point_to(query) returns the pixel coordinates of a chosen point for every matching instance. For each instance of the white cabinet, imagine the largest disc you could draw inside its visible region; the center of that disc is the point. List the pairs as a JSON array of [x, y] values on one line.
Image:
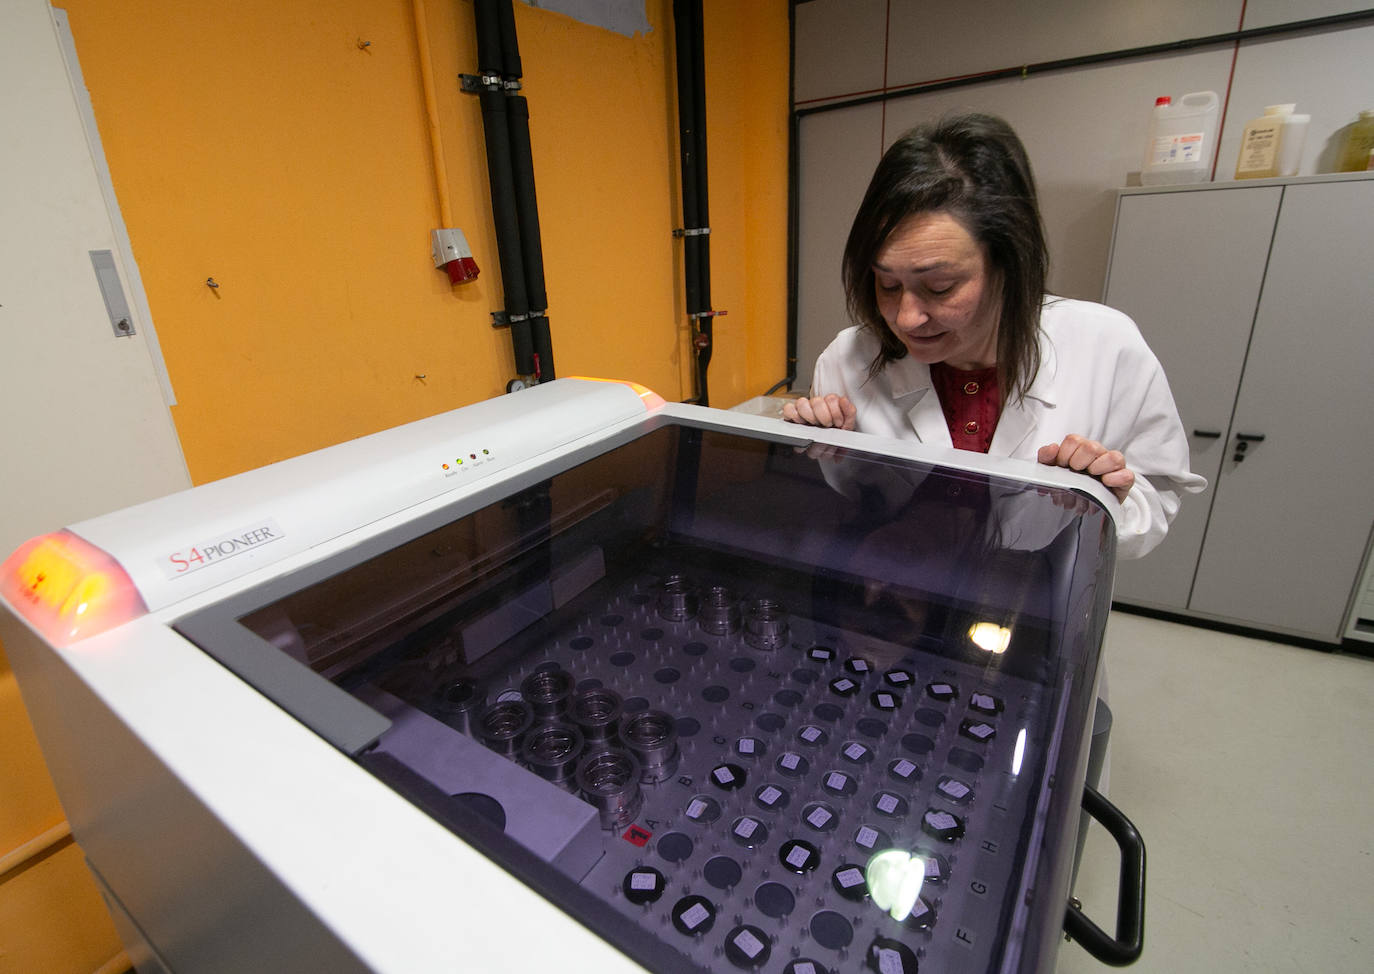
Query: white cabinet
[[1259, 300]]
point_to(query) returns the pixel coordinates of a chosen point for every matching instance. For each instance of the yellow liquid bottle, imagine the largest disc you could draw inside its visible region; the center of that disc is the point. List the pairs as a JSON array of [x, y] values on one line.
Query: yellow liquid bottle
[[1359, 141], [1259, 144]]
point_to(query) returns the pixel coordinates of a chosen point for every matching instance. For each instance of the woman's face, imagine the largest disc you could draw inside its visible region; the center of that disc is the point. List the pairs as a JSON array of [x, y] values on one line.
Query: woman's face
[[937, 293]]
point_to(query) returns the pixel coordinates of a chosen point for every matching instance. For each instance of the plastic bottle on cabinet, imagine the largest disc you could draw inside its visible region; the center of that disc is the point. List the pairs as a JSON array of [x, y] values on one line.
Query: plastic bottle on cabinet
[[1182, 140], [1292, 143], [1359, 143], [1259, 143]]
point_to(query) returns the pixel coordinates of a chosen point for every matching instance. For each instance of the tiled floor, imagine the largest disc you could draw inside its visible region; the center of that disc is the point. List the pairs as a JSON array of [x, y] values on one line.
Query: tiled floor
[[1246, 765]]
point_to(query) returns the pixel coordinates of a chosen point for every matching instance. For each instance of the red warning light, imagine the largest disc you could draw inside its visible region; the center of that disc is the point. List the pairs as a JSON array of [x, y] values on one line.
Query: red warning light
[[68, 589]]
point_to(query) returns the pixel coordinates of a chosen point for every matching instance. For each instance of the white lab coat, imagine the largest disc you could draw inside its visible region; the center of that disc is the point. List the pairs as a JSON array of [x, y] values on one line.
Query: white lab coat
[[1097, 378]]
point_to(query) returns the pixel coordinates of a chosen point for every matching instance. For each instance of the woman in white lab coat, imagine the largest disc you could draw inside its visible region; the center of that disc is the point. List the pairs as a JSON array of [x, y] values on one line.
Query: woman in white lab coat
[[957, 343]]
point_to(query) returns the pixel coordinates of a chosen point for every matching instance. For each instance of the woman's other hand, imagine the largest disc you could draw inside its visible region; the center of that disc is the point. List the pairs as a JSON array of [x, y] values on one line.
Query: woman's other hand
[[832, 411], [1092, 458]]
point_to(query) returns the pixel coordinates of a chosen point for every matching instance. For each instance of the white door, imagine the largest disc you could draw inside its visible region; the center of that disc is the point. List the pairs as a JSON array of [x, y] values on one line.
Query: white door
[[85, 427]]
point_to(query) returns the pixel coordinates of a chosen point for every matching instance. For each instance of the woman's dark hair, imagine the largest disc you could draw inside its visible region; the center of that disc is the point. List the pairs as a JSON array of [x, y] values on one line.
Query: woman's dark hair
[[974, 168]]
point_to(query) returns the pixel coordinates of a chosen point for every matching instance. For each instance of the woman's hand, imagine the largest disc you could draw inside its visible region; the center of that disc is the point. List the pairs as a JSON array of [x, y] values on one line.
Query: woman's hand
[[835, 412], [1092, 458]]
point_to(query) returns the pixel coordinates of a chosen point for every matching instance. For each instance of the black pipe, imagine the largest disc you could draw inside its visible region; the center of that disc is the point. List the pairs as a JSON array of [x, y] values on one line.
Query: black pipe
[[543, 347], [793, 202], [510, 169], [705, 323], [691, 110], [531, 244], [526, 202], [510, 43], [1062, 64], [505, 215], [489, 55], [699, 133], [687, 147]]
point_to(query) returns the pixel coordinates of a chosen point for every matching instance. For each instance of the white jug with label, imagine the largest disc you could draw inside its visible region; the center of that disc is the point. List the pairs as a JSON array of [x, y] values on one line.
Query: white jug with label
[[1182, 140]]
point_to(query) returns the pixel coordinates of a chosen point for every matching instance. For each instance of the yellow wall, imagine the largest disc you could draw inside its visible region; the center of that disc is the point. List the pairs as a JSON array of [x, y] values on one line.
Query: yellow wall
[[747, 54], [259, 144]]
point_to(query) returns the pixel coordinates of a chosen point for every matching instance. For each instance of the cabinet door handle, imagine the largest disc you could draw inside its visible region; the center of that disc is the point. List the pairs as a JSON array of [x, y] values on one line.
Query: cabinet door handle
[[1208, 434], [1243, 441]]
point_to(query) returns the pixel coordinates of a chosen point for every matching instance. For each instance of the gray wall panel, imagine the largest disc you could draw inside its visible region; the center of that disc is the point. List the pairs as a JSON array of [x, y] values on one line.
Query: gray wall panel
[[839, 46], [949, 38], [838, 151], [1266, 13]]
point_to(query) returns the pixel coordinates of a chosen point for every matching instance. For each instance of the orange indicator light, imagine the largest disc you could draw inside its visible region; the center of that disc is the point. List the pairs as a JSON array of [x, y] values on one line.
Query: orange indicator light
[[68, 589], [651, 399]]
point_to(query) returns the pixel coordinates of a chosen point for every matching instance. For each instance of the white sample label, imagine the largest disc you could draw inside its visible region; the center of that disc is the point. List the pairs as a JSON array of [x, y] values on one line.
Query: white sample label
[[867, 837], [887, 804], [696, 809], [723, 775], [790, 761], [903, 768], [798, 857], [818, 817], [694, 917], [954, 788], [643, 881], [855, 751], [746, 745], [746, 827], [769, 795], [810, 733], [849, 878], [889, 961], [836, 781], [748, 943]]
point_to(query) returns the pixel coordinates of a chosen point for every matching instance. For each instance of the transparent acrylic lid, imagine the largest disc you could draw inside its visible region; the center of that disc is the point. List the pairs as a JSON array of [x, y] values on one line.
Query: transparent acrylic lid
[[725, 697]]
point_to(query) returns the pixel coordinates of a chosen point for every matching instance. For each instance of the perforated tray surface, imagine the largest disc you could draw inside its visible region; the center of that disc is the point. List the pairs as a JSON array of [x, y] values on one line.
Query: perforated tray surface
[[802, 752]]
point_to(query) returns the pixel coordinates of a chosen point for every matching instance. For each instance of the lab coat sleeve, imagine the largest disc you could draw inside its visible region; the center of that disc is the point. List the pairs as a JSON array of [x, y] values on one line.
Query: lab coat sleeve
[[833, 365], [828, 378], [1147, 429]]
